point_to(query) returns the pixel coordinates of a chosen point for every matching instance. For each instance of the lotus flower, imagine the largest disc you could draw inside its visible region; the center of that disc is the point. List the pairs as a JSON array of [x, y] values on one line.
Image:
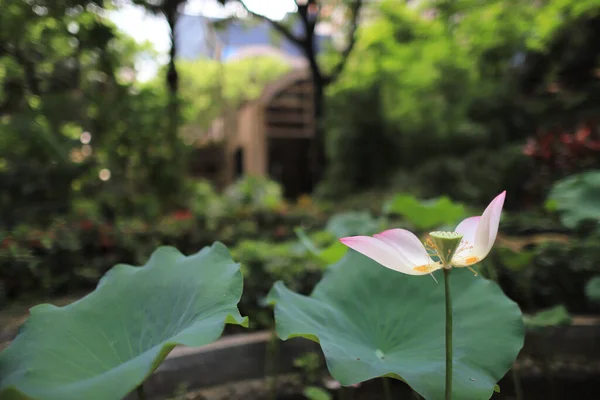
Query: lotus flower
[[402, 251]]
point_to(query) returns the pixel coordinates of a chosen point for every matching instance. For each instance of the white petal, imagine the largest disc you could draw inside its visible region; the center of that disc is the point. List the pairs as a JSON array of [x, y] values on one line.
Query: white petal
[[406, 243], [468, 252], [487, 230], [380, 252], [465, 256], [467, 228], [391, 255], [479, 234]]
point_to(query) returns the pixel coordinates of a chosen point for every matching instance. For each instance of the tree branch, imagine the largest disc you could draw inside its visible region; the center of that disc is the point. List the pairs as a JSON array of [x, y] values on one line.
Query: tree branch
[[276, 25], [339, 67]]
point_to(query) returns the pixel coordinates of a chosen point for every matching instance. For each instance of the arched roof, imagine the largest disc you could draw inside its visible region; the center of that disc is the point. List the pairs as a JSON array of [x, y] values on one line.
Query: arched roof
[[283, 83]]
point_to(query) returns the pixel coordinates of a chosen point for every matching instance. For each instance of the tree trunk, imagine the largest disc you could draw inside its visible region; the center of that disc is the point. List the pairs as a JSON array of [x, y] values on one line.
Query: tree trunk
[[172, 75], [170, 178], [317, 148]]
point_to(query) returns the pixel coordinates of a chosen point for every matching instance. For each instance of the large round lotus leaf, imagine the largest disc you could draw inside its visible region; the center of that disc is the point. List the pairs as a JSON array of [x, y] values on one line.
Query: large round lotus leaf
[[371, 321], [104, 345]]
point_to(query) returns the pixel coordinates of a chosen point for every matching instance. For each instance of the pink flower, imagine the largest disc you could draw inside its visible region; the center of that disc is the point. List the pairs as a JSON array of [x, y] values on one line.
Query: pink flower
[[402, 251]]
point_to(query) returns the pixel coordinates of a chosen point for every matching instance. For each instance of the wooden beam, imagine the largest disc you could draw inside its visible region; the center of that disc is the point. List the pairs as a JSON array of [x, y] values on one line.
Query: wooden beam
[[291, 133], [272, 118], [288, 102]]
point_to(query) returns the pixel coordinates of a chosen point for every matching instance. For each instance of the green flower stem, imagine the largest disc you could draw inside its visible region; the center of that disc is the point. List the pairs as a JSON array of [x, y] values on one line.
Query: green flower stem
[[140, 392], [517, 383], [272, 361], [387, 389], [448, 334]]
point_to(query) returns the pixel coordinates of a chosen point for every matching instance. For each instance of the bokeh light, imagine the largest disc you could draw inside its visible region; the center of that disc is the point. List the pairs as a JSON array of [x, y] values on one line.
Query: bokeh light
[[104, 174], [85, 137]]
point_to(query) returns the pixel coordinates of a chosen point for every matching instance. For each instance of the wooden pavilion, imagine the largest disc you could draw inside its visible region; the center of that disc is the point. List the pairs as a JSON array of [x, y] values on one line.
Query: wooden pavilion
[[269, 136]]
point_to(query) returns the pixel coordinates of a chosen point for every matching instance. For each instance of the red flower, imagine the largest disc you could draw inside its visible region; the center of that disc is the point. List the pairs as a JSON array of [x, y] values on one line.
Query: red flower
[[7, 242], [86, 224], [182, 215]]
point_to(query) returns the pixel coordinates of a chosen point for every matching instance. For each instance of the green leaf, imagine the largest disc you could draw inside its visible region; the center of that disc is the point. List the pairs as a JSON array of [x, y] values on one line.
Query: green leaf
[[330, 255], [516, 260], [306, 242], [497, 388], [315, 393], [352, 223], [426, 214], [592, 289], [371, 322], [333, 253], [576, 198], [104, 345], [554, 316]]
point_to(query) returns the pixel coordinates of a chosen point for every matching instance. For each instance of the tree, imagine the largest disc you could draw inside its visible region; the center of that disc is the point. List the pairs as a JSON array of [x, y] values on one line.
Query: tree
[[310, 13], [69, 109], [235, 82], [170, 10]]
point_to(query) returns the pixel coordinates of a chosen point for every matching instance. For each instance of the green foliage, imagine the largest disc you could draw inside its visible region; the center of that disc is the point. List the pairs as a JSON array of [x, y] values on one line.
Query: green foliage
[[264, 263], [555, 15], [448, 113], [65, 71], [310, 364], [552, 272], [592, 289], [210, 88], [416, 82], [555, 316], [516, 260], [352, 223], [353, 314], [472, 178], [315, 393], [428, 214], [327, 256], [254, 191], [349, 223], [576, 198], [72, 253], [104, 345]]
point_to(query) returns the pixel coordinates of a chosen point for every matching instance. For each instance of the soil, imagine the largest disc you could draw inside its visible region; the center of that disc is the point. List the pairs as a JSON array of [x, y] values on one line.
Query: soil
[[558, 381]]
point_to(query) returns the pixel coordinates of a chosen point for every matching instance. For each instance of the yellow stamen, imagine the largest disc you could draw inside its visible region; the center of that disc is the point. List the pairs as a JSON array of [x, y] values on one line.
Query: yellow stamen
[[423, 268], [464, 246], [472, 270], [471, 260]]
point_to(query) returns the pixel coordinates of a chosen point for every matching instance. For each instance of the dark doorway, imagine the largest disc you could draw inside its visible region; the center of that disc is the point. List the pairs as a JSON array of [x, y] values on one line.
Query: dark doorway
[[239, 162], [288, 165]]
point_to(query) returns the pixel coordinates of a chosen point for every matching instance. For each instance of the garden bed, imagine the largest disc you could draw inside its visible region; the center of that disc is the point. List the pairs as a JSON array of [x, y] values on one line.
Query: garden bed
[[561, 362], [560, 358]]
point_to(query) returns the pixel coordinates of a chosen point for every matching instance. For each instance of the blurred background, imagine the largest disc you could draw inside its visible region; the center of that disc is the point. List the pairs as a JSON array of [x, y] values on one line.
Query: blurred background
[[278, 126]]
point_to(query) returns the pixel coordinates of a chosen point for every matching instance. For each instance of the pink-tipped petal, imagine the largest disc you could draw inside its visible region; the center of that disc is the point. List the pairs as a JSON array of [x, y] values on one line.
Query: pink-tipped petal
[[406, 243], [378, 251], [479, 234], [468, 228], [381, 251], [487, 230]]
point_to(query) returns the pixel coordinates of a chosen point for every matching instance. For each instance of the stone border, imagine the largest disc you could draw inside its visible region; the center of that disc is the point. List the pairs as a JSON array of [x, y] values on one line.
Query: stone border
[[244, 356], [229, 359]]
